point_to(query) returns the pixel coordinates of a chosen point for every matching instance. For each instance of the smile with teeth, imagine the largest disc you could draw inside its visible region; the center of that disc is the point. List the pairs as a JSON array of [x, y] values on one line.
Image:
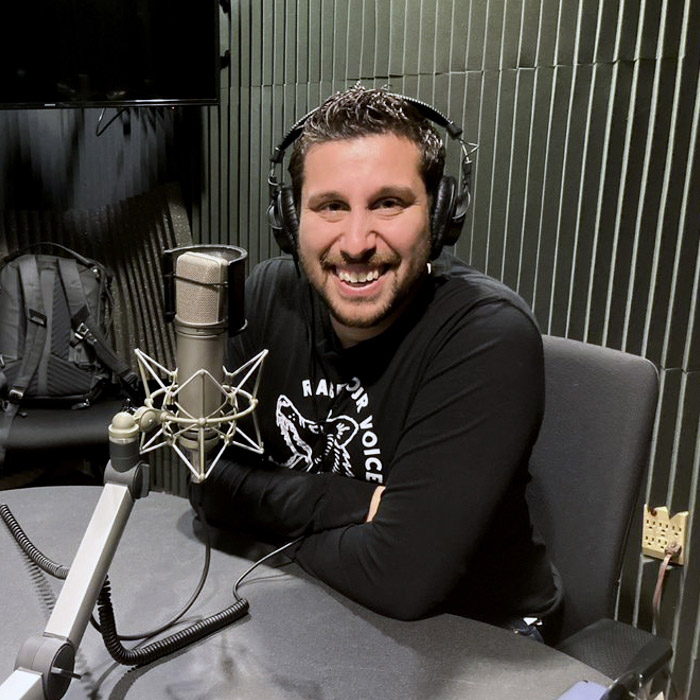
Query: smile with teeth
[[363, 277]]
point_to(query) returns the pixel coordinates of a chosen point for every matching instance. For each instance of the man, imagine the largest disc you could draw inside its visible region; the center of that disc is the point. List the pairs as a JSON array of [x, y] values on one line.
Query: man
[[400, 400]]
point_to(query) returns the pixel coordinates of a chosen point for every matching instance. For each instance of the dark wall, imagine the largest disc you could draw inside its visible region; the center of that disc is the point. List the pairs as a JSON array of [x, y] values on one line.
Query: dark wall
[[54, 159]]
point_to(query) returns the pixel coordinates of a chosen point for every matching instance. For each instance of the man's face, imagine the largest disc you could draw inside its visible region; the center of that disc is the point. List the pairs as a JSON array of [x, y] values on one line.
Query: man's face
[[364, 230]]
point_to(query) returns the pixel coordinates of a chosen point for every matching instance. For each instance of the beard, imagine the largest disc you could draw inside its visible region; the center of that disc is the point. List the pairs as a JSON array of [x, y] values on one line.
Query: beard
[[370, 312]]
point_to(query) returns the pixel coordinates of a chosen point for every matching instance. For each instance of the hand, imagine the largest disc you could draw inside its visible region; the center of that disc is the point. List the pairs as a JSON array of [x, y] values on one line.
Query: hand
[[374, 503]]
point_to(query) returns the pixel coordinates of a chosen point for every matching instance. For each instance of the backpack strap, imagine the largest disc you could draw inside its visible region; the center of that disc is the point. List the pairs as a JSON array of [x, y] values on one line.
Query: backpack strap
[[7, 415], [57, 246], [86, 328], [35, 339]]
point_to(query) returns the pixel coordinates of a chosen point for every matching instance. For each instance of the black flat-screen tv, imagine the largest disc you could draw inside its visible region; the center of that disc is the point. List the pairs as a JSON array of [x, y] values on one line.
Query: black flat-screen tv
[[93, 53]]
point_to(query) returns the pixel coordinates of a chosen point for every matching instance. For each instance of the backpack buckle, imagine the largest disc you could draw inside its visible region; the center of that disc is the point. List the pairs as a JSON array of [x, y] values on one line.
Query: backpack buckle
[[82, 332], [15, 395], [36, 317]]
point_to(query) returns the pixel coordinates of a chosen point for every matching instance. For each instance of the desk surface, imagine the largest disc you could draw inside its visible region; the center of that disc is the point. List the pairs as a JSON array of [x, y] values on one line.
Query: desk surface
[[300, 640]]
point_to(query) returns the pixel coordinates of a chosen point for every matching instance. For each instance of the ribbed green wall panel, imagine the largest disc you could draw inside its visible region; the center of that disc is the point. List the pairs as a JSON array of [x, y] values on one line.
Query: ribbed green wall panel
[[587, 182]]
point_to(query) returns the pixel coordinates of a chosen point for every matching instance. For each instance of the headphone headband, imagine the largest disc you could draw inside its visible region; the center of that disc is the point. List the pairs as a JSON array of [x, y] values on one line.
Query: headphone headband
[[430, 113]]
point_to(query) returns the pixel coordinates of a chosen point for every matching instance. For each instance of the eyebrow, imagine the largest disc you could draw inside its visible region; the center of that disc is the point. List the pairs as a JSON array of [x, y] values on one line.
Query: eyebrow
[[388, 191], [326, 196], [396, 191]]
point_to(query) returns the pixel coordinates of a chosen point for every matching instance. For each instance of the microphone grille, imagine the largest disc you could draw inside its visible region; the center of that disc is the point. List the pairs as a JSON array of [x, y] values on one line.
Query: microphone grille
[[200, 288]]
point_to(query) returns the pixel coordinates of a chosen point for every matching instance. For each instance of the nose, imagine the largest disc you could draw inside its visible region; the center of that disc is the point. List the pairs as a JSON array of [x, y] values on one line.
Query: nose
[[359, 238]]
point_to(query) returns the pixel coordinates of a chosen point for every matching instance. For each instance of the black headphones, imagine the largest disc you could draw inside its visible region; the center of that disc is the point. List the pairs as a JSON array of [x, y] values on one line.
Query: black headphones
[[450, 202]]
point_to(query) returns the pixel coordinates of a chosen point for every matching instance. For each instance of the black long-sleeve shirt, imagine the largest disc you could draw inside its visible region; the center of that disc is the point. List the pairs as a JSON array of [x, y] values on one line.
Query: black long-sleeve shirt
[[442, 408]]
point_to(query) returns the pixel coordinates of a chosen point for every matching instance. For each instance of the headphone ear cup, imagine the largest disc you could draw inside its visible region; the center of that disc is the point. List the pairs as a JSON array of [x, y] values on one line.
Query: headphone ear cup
[[286, 229], [457, 216], [441, 215]]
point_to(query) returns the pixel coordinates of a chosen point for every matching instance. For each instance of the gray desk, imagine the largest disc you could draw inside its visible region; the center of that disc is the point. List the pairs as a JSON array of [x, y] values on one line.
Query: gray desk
[[301, 640]]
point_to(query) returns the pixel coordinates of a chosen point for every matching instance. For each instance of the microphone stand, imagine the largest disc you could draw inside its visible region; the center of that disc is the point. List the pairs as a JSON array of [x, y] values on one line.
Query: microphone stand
[[45, 663]]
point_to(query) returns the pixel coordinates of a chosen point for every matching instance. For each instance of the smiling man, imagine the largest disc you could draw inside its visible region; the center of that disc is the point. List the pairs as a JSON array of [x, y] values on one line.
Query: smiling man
[[365, 243], [401, 397]]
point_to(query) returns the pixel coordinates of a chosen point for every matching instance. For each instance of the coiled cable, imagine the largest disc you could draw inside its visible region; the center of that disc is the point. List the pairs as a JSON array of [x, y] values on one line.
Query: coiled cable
[[107, 627], [163, 647], [43, 562], [61, 572]]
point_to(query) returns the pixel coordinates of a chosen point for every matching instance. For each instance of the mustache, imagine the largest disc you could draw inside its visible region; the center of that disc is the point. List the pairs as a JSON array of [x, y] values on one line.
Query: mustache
[[371, 258]]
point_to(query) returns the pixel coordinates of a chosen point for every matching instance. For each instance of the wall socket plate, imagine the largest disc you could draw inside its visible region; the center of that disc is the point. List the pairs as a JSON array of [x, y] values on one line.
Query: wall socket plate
[[660, 530]]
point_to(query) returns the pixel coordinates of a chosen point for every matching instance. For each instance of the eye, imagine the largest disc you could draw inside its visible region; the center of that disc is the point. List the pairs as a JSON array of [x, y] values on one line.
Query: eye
[[389, 205], [331, 210], [332, 206]]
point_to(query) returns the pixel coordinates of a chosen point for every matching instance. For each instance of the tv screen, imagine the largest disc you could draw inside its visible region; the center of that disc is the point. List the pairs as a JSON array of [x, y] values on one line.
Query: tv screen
[[92, 53]]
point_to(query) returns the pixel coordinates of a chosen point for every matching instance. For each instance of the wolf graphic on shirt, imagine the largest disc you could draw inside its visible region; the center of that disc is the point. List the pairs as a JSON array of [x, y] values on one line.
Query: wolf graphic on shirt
[[315, 446]]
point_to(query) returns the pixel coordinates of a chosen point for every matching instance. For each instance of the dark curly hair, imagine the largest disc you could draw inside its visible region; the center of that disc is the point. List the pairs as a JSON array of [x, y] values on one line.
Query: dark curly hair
[[360, 111]]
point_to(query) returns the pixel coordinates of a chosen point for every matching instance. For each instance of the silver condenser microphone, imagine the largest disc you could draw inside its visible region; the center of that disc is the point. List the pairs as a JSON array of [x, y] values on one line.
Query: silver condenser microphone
[[199, 405], [200, 333]]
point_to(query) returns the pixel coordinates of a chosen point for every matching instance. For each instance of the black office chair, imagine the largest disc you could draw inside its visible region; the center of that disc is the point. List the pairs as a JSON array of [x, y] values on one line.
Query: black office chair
[[45, 441], [587, 467]]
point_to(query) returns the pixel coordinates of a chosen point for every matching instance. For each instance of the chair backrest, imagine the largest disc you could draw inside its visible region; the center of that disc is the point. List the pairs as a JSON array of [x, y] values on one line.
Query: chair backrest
[[587, 467]]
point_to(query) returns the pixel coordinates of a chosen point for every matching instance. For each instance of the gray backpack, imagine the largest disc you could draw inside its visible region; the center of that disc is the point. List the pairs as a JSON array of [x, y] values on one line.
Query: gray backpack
[[55, 318]]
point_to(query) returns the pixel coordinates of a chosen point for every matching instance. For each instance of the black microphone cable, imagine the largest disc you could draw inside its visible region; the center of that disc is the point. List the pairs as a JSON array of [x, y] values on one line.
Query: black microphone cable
[[60, 571], [140, 656], [33, 554], [260, 561], [107, 626], [163, 647]]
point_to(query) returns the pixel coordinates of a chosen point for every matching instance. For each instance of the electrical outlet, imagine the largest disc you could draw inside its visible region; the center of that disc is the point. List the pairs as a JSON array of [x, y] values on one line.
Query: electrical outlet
[[660, 530]]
